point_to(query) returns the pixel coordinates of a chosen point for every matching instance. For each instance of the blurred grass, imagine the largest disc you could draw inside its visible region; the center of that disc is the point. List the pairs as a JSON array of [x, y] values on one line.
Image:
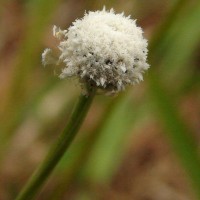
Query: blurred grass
[[116, 126], [177, 131], [180, 42], [39, 14], [30, 106]]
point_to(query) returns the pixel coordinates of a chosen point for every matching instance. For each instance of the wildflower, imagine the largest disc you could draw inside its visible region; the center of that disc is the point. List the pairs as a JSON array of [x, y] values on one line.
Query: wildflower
[[103, 49], [47, 57]]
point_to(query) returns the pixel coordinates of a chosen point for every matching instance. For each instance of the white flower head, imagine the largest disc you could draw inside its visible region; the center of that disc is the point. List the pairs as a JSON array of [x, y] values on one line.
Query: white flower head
[[103, 49], [47, 57]]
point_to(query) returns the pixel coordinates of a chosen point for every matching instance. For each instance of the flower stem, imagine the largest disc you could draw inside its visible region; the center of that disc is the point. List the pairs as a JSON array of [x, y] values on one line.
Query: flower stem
[[42, 173]]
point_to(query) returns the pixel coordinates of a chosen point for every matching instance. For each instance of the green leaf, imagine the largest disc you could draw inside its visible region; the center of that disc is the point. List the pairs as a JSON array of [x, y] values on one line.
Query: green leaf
[[109, 146], [178, 133]]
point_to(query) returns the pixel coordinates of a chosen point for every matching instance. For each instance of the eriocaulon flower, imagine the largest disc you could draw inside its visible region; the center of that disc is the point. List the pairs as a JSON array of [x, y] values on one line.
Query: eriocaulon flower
[[103, 49]]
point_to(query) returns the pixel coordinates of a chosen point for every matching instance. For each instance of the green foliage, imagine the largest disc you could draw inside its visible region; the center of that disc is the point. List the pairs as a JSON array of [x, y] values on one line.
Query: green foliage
[[116, 127]]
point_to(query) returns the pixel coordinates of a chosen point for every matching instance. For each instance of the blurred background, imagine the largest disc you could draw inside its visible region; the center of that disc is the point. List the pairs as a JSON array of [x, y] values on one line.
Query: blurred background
[[142, 144]]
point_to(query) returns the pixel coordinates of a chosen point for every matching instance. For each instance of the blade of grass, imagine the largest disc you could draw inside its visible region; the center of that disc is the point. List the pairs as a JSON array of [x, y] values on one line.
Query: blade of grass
[[18, 117], [39, 15], [177, 131], [192, 83], [113, 135], [182, 40], [180, 137], [161, 31]]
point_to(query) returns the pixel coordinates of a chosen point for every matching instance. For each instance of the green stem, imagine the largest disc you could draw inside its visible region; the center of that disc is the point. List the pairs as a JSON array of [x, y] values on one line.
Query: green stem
[[42, 173]]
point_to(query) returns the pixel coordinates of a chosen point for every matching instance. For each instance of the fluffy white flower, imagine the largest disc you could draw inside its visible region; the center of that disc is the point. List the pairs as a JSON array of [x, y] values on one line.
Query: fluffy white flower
[[47, 57], [103, 49]]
